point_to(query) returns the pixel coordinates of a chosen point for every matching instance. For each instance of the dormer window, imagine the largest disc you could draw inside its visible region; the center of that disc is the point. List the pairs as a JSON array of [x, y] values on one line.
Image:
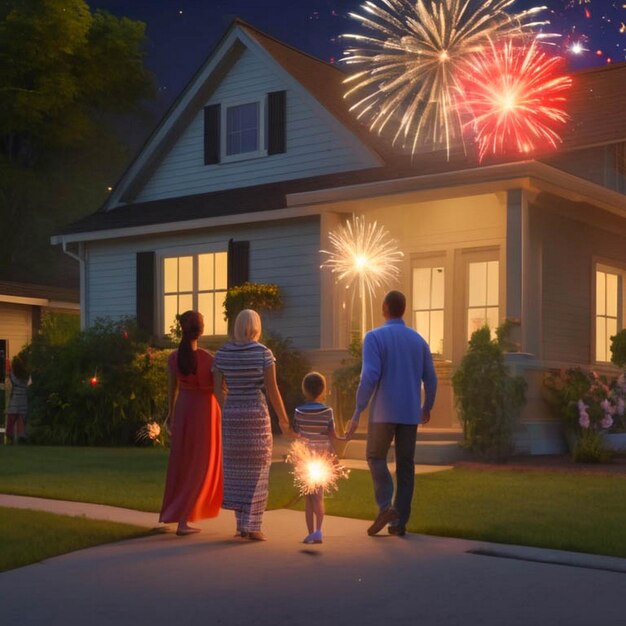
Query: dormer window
[[244, 135], [241, 130]]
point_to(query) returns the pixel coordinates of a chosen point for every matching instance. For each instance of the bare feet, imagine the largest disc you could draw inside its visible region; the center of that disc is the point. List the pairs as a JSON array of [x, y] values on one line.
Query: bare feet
[[256, 535]]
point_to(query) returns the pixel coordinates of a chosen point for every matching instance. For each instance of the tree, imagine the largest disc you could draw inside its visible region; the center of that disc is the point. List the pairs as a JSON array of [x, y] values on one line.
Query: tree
[[63, 72]]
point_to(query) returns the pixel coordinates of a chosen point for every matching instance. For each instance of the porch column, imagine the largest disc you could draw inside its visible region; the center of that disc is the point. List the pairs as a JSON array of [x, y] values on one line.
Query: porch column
[[329, 316], [523, 273]]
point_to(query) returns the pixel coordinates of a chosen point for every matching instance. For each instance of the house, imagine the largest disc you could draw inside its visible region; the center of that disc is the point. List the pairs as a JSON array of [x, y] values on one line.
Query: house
[[259, 159], [26, 295]]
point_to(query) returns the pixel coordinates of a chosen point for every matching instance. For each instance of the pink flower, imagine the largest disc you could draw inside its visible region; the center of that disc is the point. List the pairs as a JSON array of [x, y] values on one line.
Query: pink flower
[[607, 421], [606, 406], [583, 420], [582, 407]]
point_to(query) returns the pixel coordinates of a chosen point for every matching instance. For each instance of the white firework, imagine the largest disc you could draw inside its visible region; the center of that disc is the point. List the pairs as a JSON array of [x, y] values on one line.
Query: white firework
[[364, 255], [409, 62]]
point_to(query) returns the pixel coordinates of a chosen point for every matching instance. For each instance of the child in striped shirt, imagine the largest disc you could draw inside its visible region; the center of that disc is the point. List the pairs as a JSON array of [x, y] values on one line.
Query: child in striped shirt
[[314, 422]]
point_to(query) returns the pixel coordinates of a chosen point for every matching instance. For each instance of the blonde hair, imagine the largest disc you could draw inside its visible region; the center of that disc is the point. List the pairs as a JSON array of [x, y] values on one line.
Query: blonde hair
[[247, 326]]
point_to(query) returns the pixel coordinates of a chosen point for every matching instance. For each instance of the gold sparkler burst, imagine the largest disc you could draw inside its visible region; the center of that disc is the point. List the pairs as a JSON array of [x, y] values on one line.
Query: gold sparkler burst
[[314, 469], [363, 251], [409, 62]]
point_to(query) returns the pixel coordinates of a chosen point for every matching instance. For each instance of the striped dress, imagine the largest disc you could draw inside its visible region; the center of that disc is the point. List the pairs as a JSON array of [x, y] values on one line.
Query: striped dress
[[246, 431], [314, 422]]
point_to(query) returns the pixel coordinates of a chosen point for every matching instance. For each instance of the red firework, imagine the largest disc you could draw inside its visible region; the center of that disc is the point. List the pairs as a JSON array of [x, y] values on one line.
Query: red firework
[[515, 96]]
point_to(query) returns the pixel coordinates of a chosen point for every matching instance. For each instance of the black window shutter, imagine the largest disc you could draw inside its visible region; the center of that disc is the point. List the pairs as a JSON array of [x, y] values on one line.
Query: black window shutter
[[145, 292], [238, 262], [277, 122], [212, 134]]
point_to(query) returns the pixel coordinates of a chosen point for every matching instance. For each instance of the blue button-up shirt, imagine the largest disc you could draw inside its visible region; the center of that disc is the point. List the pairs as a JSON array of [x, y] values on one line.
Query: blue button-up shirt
[[396, 360]]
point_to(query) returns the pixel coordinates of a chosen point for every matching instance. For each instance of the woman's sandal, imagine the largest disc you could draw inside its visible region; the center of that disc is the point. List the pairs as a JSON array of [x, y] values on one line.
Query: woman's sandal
[[183, 532]]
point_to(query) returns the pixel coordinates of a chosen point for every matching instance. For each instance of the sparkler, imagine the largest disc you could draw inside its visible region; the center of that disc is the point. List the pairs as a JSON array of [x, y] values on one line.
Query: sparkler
[[314, 469], [363, 253], [518, 101], [411, 60], [148, 432]]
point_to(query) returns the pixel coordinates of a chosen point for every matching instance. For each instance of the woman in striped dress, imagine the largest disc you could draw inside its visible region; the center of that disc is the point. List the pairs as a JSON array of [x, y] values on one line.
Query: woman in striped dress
[[249, 371]]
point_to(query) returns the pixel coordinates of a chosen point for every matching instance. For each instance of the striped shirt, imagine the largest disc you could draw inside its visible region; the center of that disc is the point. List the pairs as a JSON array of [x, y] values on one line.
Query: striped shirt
[[243, 367], [18, 402], [314, 422]]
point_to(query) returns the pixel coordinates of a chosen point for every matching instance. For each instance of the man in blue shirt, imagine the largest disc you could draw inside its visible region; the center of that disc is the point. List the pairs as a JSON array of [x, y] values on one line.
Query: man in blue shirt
[[396, 361]]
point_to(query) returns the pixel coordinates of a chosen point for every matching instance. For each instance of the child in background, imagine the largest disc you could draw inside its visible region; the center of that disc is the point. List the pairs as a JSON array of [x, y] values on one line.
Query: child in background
[[315, 423], [18, 401]]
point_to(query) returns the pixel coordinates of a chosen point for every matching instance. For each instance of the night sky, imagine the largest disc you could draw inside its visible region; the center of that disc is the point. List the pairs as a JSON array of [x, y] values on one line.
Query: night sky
[[182, 33]]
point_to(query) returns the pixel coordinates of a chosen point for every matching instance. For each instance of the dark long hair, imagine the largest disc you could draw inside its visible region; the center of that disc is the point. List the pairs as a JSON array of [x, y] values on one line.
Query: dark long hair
[[192, 326]]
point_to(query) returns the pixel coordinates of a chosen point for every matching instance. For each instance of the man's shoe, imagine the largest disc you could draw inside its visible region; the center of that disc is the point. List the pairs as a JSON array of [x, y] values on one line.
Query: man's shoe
[[384, 517], [397, 530]]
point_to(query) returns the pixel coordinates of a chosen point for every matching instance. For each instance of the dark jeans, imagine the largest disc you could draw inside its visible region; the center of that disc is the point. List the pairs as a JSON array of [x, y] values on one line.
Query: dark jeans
[[379, 438]]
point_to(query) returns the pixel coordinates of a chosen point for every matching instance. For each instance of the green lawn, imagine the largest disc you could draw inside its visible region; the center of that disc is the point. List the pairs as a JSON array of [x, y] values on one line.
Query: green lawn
[[31, 536], [580, 512]]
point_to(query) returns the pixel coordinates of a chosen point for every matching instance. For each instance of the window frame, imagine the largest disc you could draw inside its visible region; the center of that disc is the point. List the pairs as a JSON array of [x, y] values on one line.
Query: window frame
[[607, 266], [261, 150], [182, 251], [481, 255], [430, 261]]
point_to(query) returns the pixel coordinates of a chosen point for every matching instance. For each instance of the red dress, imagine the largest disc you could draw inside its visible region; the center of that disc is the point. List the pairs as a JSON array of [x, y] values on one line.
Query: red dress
[[194, 486]]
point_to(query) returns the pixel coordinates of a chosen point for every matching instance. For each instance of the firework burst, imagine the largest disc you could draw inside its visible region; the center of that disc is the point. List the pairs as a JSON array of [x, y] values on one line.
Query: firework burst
[[363, 253], [314, 469], [409, 63], [517, 104]]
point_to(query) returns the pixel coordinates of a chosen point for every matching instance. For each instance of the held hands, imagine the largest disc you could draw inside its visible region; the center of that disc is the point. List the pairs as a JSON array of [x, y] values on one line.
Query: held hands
[[352, 426]]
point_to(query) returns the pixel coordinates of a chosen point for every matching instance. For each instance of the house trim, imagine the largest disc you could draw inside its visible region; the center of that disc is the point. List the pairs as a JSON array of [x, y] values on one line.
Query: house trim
[[532, 176]]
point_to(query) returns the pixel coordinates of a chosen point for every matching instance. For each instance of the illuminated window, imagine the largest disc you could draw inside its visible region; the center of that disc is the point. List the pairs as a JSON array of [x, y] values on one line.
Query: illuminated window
[[608, 310], [483, 296], [428, 305], [199, 282]]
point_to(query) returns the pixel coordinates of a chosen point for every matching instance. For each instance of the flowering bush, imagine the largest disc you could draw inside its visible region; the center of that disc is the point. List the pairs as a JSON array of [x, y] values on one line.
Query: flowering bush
[[586, 400], [98, 387], [589, 404]]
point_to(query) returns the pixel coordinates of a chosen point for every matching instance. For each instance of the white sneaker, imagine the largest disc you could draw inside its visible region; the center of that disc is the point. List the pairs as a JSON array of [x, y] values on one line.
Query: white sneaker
[[314, 537]]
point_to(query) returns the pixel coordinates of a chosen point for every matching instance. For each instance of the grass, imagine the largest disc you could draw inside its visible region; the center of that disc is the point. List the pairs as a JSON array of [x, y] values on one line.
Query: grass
[[579, 512], [31, 536], [128, 477]]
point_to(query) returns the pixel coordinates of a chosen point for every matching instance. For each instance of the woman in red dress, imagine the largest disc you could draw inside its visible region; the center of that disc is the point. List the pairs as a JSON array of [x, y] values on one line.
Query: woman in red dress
[[193, 488]]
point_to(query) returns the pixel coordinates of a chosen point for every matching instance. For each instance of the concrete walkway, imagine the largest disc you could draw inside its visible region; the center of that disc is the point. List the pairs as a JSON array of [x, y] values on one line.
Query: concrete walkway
[[350, 579]]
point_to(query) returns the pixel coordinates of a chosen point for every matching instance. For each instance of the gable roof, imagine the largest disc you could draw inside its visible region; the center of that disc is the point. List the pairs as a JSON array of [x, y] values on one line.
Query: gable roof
[[595, 105], [322, 81]]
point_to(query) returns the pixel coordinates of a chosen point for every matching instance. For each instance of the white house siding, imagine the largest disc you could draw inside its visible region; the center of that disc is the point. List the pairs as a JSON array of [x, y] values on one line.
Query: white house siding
[[285, 253], [569, 249], [316, 143], [15, 326]]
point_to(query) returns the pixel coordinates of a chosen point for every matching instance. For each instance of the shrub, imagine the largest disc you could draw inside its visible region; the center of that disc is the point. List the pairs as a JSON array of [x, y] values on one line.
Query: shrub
[[488, 397], [291, 366], [587, 404], [97, 388], [618, 348], [257, 296], [346, 380], [589, 448]]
